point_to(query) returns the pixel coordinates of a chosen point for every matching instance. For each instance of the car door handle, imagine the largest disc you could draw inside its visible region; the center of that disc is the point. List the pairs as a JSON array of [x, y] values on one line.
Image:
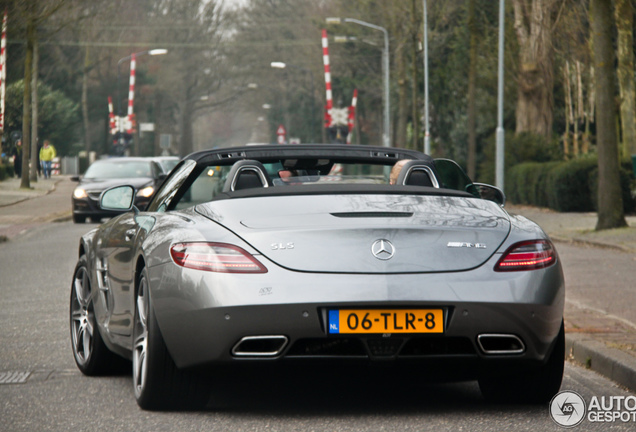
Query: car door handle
[[130, 234]]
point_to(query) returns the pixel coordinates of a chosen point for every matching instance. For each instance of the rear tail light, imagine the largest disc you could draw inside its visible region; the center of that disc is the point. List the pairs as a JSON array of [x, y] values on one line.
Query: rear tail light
[[215, 257], [527, 255]]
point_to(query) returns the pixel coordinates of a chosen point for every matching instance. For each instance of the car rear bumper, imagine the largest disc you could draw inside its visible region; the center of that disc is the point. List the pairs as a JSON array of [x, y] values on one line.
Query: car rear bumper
[[233, 318]]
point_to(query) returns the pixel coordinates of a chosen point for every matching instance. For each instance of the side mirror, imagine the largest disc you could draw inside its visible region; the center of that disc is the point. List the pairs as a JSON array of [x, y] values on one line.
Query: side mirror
[[119, 198], [491, 193]]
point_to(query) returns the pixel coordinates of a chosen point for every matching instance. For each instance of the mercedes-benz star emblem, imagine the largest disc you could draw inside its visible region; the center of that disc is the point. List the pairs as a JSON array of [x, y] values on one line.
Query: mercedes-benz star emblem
[[383, 249]]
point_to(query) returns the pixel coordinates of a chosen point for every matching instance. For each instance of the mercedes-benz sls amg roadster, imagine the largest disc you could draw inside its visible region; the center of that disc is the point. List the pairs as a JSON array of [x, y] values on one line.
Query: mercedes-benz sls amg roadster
[[331, 253]]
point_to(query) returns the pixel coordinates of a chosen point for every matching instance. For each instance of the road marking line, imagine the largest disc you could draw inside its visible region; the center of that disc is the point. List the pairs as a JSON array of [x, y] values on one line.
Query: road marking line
[[14, 377]]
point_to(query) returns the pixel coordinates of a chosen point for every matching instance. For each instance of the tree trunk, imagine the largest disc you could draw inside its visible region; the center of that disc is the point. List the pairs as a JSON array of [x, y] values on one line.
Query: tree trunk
[[610, 200], [186, 133], [156, 146], [569, 117], [624, 22], [415, 80], [85, 119], [472, 76], [533, 25], [34, 109], [186, 145], [26, 109], [403, 103]]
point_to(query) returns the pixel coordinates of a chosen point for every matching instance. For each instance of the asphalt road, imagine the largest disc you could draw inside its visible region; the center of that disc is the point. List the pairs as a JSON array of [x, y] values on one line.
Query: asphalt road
[[35, 274]]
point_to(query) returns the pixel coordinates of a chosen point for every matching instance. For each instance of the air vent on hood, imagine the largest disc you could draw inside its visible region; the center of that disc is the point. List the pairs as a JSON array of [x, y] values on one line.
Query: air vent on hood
[[371, 214]]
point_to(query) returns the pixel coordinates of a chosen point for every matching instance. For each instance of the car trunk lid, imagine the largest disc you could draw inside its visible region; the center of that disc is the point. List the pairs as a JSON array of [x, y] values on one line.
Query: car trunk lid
[[366, 233]]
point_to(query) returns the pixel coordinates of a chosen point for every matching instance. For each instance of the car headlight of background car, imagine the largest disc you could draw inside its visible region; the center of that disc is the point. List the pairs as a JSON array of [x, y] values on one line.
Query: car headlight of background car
[[79, 193], [146, 192]]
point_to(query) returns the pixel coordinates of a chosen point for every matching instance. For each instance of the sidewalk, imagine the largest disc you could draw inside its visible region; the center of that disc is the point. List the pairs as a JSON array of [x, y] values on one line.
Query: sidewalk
[[579, 228], [19, 210], [603, 343]]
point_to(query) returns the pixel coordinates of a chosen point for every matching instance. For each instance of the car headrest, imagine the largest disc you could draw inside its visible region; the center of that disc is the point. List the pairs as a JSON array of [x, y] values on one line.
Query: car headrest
[[246, 174], [416, 173]]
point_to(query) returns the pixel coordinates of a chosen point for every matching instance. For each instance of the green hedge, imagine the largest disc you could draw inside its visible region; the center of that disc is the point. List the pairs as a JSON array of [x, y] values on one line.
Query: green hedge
[[6, 171], [564, 186]]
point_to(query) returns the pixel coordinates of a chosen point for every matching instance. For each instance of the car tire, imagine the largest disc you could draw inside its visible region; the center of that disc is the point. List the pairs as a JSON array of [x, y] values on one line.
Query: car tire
[[91, 354], [79, 218], [538, 385], [96, 219], [158, 383]]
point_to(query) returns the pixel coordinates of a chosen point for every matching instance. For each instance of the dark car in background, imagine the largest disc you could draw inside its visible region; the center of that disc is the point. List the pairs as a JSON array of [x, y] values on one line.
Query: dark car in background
[[144, 174], [166, 162]]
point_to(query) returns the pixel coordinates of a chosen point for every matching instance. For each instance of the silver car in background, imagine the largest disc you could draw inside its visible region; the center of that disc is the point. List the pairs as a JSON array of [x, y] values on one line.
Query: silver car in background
[[264, 254]]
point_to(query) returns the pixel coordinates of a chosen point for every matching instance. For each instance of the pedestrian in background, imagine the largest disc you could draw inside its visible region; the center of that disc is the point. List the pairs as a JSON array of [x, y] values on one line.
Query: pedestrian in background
[[47, 153], [17, 158]]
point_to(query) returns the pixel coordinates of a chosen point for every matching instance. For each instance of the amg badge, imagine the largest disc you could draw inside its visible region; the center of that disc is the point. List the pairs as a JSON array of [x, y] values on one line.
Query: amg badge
[[466, 245]]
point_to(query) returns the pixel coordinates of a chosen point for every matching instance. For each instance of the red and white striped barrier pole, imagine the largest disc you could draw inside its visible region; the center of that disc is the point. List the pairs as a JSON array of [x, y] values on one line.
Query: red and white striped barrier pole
[[325, 60], [3, 68], [112, 124], [131, 94], [352, 114]]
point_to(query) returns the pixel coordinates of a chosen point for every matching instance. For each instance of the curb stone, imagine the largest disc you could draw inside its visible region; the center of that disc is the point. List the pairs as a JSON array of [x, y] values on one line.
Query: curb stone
[[597, 356], [592, 243]]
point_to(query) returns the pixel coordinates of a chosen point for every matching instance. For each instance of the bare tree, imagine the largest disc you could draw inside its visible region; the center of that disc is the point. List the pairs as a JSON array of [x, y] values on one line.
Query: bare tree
[[610, 200], [193, 80]]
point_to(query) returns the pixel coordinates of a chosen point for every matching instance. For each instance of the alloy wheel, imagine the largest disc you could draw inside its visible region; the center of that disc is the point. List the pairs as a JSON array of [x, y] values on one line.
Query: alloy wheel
[[82, 318], [140, 366]]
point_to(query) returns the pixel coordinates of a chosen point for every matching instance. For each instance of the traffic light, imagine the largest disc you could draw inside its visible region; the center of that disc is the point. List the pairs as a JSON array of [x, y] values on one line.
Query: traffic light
[[121, 143]]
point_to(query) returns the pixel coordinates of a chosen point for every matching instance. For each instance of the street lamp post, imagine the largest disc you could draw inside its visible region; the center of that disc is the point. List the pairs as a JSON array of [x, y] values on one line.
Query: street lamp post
[[385, 64], [152, 52], [282, 65], [500, 151]]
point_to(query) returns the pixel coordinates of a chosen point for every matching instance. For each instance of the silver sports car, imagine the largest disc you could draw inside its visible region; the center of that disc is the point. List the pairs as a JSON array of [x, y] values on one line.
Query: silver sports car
[[309, 252]]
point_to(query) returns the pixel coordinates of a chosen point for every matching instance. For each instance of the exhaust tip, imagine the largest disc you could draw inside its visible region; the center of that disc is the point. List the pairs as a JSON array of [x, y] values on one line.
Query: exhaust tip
[[500, 344], [260, 346]]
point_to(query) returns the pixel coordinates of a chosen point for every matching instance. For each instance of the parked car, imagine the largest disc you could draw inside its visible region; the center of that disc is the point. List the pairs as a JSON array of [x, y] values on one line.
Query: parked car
[[144, 174], [304, 254]]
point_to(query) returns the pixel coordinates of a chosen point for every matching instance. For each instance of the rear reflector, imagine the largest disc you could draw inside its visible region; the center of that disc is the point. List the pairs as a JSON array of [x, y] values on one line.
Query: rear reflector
[[215, 257], [527, 255]]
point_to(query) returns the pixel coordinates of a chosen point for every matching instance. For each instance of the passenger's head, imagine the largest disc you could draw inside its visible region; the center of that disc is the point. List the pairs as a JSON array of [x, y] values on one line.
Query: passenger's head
[[395, 171]]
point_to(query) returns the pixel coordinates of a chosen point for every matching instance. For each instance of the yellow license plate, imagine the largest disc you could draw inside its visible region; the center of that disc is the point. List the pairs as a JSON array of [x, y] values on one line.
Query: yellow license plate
[[386, 321]]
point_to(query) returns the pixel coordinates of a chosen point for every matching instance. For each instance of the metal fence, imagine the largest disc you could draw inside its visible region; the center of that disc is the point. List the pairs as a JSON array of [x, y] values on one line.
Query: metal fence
[[67, 165]]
